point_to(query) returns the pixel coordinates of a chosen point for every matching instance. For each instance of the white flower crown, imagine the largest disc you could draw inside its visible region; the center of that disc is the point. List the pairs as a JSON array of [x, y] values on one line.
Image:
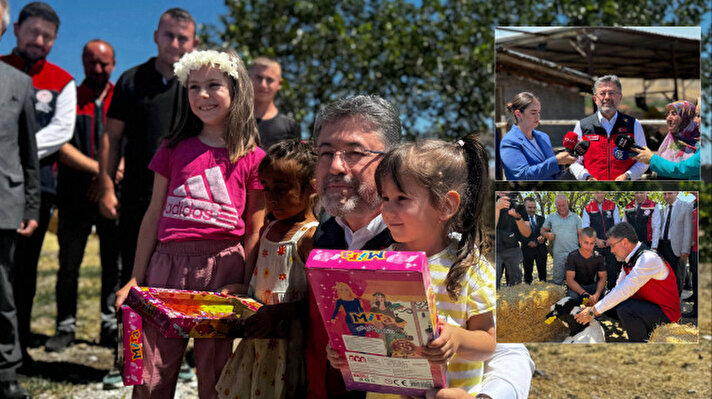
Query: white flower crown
[[197, 59]]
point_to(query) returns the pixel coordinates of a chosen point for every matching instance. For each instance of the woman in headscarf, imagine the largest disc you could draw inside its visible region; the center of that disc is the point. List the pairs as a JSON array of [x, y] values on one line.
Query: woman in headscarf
[[683, 136], [679, 155]]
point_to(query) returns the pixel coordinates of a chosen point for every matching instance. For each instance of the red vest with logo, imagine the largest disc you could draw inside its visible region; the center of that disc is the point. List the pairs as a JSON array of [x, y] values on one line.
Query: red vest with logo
[[660, 292], [48, 81], [642, 218], [599, 160], [601, 221]]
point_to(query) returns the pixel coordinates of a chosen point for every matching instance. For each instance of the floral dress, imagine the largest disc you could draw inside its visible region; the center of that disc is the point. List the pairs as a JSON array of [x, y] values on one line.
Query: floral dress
[[258, 367]]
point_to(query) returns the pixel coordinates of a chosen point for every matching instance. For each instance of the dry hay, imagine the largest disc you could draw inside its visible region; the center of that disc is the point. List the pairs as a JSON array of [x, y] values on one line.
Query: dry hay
[[522, 309], [674, 333]]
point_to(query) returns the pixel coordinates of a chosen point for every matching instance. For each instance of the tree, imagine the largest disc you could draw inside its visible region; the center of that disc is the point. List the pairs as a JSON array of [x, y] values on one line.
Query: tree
[[432, 58]]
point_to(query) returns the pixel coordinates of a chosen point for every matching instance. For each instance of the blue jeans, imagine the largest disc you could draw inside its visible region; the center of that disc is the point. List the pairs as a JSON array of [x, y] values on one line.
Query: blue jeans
[[590, 288]]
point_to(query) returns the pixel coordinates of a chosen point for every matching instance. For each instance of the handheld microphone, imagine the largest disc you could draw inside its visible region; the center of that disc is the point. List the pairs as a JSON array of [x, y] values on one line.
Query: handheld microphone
[[620, 154], [625, 142], [581, 148], [570, 141]]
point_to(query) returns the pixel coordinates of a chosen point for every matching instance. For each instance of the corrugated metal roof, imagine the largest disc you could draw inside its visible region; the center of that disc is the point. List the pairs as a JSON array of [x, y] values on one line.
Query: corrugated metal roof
[[626, 52]]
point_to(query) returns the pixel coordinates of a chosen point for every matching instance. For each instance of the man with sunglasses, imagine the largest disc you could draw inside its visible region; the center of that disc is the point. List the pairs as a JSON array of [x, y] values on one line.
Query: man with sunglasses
[[601, 130], [646, 292]]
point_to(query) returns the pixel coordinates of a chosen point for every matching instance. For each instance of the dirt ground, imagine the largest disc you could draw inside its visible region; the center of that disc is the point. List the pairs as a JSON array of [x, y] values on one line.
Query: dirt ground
[[613, 370], [624, 370]]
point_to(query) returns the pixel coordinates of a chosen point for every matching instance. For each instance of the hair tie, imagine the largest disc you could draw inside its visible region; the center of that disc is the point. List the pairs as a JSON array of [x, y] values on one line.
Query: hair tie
[[461, 143]]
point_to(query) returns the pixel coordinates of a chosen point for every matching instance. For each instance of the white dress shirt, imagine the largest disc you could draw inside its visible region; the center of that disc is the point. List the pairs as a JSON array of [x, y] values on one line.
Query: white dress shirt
[[61, 128], [357, 239], [655, 224], [508, 373], [635, 171], [668, 209], [648, 266]]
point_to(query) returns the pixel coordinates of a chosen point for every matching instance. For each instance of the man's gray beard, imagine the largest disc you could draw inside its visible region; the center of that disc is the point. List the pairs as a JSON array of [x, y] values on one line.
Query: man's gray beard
[[364, 201], [608, 109]]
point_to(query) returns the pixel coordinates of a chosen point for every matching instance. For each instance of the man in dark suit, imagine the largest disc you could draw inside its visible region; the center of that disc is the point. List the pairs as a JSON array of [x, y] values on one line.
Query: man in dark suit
[[351, 136], [534, 246], [676, 236], [19, 202], [55, 103]]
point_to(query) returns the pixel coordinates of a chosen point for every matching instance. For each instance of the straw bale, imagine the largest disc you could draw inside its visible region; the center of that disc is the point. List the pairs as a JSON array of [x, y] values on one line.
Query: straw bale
[[522, 309], [674, 333]]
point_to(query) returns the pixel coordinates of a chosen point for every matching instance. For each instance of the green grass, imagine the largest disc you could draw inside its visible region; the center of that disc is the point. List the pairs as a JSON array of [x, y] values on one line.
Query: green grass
[[44, 313]]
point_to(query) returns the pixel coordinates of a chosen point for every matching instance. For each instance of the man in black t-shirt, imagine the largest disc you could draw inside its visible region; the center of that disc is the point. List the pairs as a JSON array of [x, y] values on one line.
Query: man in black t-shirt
[[511, 225], [266, 76], [143, 106], [145, 99], [586, 269]]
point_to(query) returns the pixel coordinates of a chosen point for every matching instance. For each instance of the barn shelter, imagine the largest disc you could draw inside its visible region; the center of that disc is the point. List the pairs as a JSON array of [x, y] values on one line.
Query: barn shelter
[[560, 66], [598, 51]]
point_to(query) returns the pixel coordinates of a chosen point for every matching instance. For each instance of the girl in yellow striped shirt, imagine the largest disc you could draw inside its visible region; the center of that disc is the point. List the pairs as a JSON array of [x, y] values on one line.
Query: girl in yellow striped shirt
[[431, 192]]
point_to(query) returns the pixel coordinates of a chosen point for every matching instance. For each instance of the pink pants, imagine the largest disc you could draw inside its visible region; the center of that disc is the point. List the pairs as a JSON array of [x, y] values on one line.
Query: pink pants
[[193, 265]]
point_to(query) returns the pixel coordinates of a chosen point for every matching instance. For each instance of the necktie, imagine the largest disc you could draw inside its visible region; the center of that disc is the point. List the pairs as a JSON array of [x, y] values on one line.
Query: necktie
[[533, 224], [667, 223]]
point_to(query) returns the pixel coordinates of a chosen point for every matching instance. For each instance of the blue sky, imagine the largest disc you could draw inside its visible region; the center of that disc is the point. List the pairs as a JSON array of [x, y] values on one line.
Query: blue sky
[[127, 24]]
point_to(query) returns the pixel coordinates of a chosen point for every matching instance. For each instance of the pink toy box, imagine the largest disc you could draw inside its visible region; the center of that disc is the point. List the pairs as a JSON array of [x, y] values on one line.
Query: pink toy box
[[379, 311], [131, 354], [197, 314], [177, 314]]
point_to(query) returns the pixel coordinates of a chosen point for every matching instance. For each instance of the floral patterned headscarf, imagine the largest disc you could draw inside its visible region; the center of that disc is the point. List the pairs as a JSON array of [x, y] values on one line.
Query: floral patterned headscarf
[[683, 143]]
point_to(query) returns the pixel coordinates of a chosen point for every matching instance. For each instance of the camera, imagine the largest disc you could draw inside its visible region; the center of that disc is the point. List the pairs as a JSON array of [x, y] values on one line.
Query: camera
[[513, 198]]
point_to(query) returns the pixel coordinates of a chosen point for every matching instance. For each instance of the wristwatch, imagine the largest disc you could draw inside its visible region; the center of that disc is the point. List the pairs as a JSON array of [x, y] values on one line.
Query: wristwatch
[[590, 313]]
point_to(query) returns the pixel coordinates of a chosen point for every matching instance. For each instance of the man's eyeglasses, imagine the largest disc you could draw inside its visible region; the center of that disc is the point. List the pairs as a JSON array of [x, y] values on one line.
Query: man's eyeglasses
[[611, 245], [350, 157], [608, 93]]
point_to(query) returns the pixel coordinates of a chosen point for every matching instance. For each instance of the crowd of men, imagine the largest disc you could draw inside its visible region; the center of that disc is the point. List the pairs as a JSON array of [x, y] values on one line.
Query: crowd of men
[[78, 149], [583, 247], [93, 144]]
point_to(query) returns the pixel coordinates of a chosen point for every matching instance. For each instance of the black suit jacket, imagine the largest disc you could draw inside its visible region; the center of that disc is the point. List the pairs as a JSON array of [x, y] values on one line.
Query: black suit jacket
[[19, 166], [525, 240], [329, 235]]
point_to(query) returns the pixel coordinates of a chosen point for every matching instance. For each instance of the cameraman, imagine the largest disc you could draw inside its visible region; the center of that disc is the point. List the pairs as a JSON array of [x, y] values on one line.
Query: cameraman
[[511, 225]]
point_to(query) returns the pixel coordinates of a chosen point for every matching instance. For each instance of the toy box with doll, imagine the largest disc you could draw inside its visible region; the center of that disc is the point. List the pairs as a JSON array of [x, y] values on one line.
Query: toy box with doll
[[379, 311]]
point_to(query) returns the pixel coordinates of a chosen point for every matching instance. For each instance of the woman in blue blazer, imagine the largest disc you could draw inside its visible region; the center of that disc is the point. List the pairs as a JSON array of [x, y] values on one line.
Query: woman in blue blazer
[[527, 154]]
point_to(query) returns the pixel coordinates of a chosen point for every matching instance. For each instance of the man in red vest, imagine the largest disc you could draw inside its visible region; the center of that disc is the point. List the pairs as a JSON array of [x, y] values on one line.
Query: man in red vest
[[602, 214], [644, 214], [646, 292], [55, 102], [77, 193], [601, 130]]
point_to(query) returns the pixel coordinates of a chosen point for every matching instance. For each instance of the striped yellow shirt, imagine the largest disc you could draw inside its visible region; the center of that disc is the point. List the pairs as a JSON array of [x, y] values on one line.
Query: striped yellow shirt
[[477, 297]]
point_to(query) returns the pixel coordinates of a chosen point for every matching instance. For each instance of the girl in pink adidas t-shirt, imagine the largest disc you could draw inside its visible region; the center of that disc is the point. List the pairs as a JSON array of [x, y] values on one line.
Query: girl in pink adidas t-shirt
[[202, 226]]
